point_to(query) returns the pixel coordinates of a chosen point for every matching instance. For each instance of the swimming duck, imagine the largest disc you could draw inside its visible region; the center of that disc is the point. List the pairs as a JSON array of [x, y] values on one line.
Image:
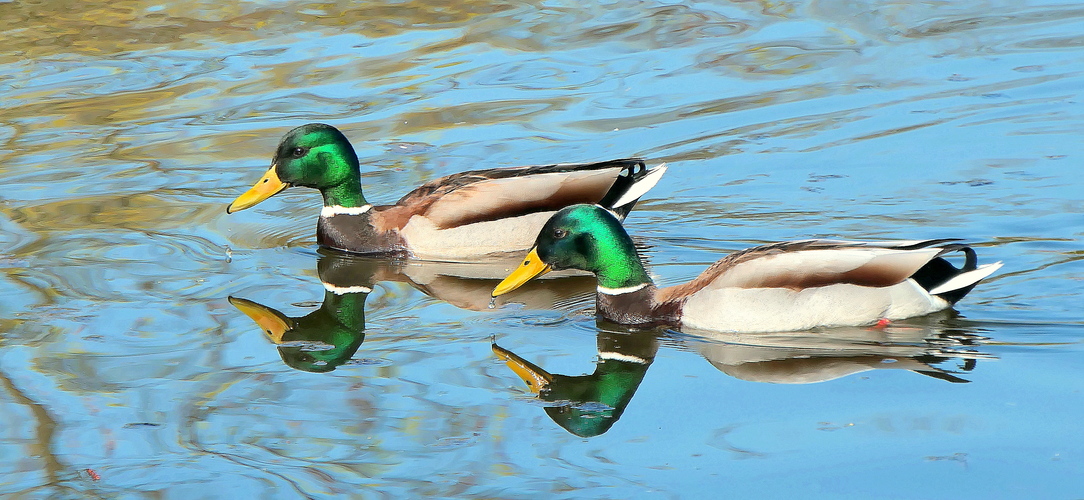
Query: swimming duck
[[457, 217], [788, 286]]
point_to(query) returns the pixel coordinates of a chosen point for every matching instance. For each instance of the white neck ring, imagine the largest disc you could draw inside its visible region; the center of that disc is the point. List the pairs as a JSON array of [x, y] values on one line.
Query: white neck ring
[[341, 210], [616, 356], [343, 290], [619, 291]]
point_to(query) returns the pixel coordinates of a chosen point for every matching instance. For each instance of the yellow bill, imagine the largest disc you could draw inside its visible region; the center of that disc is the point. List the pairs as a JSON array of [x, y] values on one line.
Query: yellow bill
[[532, 267], [272, 322], [265, 188], [535, 377]]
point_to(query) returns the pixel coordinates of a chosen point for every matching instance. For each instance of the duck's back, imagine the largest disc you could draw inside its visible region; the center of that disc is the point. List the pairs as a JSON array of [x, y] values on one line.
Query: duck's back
[[486, 212], [806, 284]]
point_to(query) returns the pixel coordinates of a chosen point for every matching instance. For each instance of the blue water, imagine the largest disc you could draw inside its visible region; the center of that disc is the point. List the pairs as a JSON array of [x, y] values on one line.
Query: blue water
[[125, 371]]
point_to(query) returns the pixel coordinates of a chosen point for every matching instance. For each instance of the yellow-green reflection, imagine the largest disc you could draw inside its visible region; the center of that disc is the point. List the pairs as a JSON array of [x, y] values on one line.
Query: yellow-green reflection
[[328, 337], [589, 405]]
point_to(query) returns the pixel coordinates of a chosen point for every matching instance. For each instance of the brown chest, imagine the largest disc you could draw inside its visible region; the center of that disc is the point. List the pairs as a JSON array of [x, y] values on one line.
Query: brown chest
[[355, 233], [639, 307]]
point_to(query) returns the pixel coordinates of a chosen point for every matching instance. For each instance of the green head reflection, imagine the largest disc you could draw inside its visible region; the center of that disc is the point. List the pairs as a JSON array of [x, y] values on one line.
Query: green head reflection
[[329, 336], [318, 342], [588, 405]]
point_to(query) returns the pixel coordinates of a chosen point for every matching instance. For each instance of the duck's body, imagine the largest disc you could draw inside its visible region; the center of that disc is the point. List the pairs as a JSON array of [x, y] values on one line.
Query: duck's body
[[785, 286], [799, 285], [457, 217]]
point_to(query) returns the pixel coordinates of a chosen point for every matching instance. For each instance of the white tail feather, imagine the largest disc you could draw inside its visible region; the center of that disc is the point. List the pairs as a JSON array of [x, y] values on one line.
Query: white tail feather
[[966, 279], [641, 186]]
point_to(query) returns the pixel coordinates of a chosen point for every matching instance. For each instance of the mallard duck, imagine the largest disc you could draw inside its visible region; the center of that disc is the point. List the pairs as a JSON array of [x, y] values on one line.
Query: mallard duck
[[789, 286], [458, 217]]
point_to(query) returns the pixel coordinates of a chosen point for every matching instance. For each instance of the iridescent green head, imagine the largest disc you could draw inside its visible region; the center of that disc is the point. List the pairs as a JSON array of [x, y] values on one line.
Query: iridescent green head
[[314, 155], [585, 237], [317, 156]]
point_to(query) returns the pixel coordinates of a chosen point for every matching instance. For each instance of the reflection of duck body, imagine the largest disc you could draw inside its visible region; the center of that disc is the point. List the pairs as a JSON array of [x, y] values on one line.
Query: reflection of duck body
[[329, 336], [457, 217], [785, 286], [810, 357], [469, 285], [588, 405]]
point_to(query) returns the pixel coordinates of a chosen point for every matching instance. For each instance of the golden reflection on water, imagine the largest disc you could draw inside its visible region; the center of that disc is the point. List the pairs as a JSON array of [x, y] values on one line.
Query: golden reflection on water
[[138, 212]]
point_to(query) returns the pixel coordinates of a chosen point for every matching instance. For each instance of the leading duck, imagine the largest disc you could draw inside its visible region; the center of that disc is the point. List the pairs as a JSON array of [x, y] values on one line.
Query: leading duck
[[458, 217], [787, 286]]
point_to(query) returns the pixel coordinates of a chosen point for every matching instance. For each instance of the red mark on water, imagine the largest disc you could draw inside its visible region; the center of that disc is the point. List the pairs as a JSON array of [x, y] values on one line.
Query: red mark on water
[[93, 475], [881, 323]]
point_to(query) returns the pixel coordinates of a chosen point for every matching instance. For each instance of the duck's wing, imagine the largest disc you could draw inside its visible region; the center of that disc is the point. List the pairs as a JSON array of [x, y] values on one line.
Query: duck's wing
[[797, 265], [486, 195]]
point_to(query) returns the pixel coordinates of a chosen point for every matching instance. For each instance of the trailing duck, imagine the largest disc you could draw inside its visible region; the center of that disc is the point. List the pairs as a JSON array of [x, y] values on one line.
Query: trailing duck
[[788, 286]]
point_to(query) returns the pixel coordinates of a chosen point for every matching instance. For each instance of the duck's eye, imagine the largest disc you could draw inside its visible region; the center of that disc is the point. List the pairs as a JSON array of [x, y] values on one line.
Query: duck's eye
[[559, 233], [299, 152]]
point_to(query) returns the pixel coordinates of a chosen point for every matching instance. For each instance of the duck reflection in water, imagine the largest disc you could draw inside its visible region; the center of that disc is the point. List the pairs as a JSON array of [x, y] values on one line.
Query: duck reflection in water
[[588, 405], [330, 336], [921, 345]]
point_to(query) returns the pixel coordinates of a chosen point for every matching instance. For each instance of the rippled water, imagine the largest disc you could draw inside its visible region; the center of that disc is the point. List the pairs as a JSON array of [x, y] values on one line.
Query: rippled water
[[127, 371]]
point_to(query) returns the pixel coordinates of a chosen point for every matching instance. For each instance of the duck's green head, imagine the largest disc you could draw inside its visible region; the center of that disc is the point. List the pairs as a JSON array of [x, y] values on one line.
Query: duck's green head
[[314, 155], [584, 237]]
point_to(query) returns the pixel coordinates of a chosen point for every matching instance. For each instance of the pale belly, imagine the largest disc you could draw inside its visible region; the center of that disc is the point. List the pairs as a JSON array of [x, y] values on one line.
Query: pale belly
[[782, 310], [513, 234]]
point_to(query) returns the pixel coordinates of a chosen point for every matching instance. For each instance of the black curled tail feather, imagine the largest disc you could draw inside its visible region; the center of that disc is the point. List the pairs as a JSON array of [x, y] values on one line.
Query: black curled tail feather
[[633, 183], [634, 170], [939, 271]]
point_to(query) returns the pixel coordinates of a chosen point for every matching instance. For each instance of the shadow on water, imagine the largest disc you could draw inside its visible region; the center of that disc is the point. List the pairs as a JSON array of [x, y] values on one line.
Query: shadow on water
[[328, 337], [588, 405]]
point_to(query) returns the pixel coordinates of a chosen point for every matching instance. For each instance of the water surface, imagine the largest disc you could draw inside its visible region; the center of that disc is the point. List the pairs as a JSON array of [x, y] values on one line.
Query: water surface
[[126, 371]]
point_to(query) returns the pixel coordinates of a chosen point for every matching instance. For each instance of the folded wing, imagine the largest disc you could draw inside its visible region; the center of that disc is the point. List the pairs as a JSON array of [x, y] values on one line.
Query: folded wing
[[485, 195], [798, 265]]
